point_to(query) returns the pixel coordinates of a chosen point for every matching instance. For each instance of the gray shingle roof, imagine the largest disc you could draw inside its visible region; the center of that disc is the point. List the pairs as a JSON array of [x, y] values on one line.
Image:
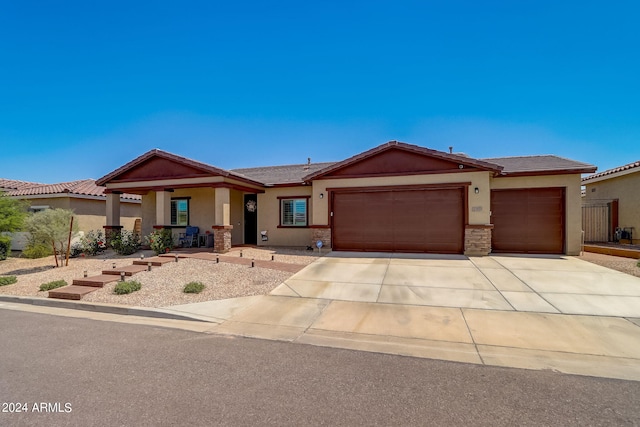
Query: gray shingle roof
[[288, 174], [545, 163]]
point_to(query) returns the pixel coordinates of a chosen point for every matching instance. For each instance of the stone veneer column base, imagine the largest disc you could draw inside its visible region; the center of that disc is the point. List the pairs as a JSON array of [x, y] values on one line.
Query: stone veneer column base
[[477, 240], [322, 233], [222, 238]]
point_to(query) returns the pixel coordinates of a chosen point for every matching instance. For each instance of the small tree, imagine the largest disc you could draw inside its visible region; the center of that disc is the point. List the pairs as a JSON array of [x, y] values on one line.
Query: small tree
[[12, 214], [51, 226]]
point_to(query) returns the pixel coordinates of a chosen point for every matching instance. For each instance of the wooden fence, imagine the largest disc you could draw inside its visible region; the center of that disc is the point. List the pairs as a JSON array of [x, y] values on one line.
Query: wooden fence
[[596, 223]]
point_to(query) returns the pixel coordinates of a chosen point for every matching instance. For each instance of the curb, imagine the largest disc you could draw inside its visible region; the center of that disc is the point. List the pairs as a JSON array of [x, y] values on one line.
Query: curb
[[103, 308]]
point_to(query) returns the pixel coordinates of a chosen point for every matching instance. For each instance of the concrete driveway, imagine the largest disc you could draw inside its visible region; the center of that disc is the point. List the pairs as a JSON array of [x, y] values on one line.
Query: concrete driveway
[[536, 312]]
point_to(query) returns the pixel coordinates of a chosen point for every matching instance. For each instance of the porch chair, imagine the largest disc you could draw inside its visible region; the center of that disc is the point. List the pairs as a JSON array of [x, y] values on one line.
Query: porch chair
[[189, 238]]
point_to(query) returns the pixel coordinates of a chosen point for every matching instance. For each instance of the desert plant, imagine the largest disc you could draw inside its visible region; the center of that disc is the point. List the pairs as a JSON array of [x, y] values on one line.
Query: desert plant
[[193, 288], [37, 250], [51, 226], [52, 285], [93, 242], [160, 240], [12, 213], [127, 287], [125, 243], [8, 280], [5, 247]]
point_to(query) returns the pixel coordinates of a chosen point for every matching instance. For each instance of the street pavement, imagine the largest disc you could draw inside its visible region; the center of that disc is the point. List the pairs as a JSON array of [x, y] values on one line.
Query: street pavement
[[120, 374]]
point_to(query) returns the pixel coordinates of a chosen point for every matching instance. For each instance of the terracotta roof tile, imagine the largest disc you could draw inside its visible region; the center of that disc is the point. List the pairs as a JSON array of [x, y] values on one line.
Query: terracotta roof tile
[[86, 187], [12, 184], [614, 171]]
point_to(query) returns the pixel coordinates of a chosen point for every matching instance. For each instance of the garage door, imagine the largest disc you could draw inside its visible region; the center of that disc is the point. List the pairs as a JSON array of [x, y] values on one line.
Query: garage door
[[424, 220], [528, 220]]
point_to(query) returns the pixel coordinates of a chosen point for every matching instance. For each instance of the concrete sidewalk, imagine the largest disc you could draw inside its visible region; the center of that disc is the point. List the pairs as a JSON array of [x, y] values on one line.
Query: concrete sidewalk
[[546, 312]]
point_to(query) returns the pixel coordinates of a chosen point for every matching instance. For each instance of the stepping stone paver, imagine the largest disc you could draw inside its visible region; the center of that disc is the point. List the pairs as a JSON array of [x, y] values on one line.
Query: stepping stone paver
[[71, 292]]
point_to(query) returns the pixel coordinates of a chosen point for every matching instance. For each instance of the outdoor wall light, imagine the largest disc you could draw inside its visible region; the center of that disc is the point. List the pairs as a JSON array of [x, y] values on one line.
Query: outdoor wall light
[[476, 190], [322, 195]]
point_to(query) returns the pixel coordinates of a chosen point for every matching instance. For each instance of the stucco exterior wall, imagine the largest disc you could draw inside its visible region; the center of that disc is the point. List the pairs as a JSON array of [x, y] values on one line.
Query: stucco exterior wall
[[269, 217], [573, 201], [625, 189], [478, 203]]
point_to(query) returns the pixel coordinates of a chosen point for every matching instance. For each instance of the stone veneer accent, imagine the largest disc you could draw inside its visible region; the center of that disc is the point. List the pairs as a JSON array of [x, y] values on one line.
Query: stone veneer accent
[[477, 240], [323, 234], [222, 238]]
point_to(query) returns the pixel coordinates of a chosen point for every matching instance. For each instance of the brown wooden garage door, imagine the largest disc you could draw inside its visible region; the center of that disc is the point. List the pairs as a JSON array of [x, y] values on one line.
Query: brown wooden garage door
[[424, 220], [528, 220]]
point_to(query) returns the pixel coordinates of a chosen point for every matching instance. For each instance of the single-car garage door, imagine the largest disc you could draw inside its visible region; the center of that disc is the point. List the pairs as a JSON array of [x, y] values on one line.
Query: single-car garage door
[[528, 220], [399, 220]]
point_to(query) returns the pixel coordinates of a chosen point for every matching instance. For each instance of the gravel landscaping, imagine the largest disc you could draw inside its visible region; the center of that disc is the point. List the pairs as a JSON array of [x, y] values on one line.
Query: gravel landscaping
[[625, 265], [163, 286]]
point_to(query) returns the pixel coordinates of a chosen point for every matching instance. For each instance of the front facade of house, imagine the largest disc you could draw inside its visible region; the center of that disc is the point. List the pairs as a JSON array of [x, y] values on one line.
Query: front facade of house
[[395, 197], [613, 201]]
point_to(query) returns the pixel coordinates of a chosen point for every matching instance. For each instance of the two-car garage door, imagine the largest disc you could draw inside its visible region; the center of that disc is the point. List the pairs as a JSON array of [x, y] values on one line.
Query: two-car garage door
[[399, 220]]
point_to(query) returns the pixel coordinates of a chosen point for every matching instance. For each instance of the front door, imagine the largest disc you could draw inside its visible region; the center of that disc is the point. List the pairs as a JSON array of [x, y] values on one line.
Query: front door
[[250, 219]]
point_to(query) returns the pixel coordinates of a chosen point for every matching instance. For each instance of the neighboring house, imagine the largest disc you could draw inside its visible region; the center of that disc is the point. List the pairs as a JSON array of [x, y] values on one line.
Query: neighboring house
[[612, 204], [395, 197], [84, 197]]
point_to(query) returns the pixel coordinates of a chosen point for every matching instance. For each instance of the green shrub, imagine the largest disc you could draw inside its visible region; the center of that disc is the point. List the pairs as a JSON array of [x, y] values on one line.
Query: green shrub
[[8, 280], [53, 285], [127, 287], [160, 240], [5, 247], [93, 242], [125, 242], [37, 250], [193, 288]]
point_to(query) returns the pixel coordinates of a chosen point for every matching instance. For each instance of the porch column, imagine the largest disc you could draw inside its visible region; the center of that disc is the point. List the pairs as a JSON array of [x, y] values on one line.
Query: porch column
[[222, 228], [113, 209], [113, 226], [163, 208]]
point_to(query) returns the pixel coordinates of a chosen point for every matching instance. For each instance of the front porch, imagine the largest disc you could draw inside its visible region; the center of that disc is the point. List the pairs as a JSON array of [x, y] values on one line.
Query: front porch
[[178, 193]]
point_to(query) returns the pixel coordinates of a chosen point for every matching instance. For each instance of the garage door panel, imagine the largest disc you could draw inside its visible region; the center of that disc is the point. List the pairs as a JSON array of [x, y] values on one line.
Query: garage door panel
[[400, 220], [528, 220]]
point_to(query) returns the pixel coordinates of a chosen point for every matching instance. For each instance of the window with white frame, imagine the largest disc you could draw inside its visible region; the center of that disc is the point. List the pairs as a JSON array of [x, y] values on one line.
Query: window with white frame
[[180, 212], [293, 212]]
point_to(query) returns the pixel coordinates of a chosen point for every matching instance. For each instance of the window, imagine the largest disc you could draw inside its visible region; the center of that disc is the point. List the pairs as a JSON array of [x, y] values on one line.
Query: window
[[293, 212], [180, 212]]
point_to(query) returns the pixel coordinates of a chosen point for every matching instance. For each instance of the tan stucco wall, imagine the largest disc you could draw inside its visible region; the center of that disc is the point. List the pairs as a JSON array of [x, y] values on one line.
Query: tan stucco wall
[[625, 189], [573, 208], [89, 214], [201, 211], [478, 203], [269, 217]]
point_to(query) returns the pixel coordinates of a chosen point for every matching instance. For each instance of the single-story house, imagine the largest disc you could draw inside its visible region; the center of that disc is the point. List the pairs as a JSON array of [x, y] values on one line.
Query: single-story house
[[612, 203], [84, 197], [395, 197]]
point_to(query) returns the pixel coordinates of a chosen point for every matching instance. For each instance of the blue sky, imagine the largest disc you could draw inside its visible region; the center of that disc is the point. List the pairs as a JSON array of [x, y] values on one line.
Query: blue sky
[[86, 87]]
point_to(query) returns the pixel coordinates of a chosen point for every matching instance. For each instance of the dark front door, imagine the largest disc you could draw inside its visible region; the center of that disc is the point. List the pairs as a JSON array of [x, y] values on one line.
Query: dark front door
[[250, 219]]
